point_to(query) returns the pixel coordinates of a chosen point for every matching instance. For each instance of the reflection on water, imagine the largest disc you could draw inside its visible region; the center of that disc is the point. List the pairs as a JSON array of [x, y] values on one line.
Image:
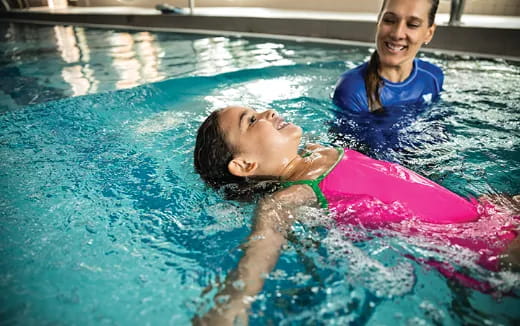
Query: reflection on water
[[42, 63], [74, 51], [67, 45]]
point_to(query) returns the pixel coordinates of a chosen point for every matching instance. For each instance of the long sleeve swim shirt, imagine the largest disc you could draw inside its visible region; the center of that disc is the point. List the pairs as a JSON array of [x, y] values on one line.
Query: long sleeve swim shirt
[[420, 88]]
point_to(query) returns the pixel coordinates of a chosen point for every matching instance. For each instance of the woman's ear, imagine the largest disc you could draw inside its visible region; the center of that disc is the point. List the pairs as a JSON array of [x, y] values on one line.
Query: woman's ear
[[430, 33], [242, 167]]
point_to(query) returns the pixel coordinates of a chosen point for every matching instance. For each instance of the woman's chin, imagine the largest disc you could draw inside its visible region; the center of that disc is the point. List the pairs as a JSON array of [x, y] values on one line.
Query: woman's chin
[[391, 59]]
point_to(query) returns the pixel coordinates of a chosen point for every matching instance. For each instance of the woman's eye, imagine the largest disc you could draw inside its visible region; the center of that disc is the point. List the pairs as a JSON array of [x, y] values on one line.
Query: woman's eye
[[252, 120]]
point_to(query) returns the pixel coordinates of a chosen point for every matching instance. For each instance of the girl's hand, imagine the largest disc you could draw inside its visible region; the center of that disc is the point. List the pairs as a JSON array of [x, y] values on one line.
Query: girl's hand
[[511, 203]]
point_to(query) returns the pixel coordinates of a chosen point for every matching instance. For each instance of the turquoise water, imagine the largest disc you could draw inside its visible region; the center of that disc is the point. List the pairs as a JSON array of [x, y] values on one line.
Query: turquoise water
[[105, 222]]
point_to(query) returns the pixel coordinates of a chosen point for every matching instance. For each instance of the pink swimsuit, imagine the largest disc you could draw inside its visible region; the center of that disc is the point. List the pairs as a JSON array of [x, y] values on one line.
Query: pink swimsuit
[[362, 190], [359, 177]]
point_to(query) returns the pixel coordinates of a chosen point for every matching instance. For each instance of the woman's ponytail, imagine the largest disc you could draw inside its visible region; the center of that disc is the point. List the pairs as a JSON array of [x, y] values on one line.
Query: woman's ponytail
[[373, 84]]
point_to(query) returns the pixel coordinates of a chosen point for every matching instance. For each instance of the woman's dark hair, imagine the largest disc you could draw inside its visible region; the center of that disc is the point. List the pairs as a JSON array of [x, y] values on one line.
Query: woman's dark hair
[[373, 81], [212, 155]]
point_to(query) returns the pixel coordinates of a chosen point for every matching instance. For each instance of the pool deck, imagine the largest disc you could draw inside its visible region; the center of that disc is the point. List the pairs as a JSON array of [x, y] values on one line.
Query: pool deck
[[486, 36]]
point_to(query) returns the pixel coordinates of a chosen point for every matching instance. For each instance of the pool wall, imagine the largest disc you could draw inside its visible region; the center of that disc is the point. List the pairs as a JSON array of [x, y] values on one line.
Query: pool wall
[[485, 36], [474, 7]]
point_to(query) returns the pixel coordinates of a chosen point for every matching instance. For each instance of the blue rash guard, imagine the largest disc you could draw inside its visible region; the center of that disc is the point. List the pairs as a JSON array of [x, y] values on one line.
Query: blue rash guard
[[421, 87]]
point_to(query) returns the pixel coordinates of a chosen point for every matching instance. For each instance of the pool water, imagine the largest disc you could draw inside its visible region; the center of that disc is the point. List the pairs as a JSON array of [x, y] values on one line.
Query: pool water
[[105, 222]]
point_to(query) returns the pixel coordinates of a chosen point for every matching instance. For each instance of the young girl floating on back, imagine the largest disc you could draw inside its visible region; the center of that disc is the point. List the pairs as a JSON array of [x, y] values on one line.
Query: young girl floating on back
[[243, 151]]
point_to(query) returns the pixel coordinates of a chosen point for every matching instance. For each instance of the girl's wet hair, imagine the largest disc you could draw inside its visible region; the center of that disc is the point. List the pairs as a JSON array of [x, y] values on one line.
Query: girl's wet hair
[[373, 81], [211, 158]]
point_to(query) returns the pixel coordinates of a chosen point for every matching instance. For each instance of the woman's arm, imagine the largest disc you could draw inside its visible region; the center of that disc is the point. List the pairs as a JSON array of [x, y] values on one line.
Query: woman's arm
[[261, 252]]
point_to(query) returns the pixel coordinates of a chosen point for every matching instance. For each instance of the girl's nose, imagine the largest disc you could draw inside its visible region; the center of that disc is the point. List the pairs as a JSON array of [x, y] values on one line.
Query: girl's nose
[[270, 114]]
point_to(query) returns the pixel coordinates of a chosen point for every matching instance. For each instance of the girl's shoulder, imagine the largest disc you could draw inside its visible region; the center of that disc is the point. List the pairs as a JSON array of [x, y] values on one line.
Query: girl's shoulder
[[294, 196]]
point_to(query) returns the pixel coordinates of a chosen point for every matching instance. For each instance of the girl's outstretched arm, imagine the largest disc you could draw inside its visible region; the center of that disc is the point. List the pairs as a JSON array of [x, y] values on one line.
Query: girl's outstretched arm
[[261, 252]]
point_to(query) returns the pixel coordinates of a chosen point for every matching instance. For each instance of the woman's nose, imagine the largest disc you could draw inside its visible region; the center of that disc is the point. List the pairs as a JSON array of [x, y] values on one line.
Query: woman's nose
[[398, 31]]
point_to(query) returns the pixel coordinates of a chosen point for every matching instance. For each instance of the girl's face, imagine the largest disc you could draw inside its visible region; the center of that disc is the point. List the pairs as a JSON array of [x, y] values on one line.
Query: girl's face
[[261, 138], [402, 30]]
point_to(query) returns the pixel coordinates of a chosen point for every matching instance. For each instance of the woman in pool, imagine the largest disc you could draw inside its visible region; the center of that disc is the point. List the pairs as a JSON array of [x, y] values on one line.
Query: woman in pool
[[242, 150], [394, 77]]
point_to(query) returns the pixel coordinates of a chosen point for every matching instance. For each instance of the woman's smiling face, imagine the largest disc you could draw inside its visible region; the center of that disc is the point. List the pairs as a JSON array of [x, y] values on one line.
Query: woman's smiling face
[[401, 30], [261, 137]]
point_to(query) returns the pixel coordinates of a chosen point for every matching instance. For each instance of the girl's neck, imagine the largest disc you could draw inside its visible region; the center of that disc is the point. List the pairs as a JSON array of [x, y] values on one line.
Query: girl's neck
[[294, 169], [309, 167], [396, 74]]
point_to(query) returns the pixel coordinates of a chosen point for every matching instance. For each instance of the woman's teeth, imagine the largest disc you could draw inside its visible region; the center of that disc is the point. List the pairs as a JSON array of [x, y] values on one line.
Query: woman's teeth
[[394, 47]]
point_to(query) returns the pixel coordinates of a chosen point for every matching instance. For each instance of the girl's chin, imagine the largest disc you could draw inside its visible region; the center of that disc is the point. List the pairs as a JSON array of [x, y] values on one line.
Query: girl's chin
[[297, 130]]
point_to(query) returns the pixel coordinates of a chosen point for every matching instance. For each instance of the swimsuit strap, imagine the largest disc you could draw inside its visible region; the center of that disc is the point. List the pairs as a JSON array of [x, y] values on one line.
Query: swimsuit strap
[[315, 183], [306, 154]]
